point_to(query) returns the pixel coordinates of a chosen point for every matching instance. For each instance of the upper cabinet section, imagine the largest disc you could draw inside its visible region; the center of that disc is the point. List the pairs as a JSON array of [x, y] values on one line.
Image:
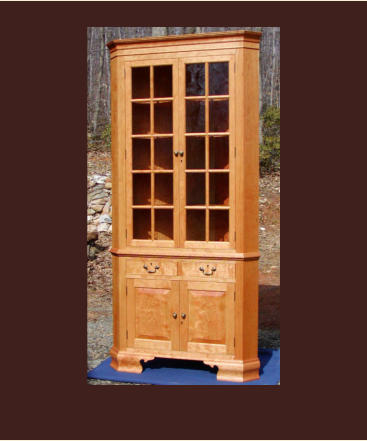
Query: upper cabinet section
[[178, 117]]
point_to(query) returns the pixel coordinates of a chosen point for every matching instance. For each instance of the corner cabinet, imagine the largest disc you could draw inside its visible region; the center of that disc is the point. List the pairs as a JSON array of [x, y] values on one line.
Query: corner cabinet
[[185, 201]]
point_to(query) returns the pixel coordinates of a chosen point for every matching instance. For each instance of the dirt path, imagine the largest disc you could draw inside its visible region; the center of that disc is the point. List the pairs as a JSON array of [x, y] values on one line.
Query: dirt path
[[100, 274]]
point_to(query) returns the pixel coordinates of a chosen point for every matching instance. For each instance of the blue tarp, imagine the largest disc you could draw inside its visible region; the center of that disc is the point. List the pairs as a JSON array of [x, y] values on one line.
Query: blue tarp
[[186, 372]]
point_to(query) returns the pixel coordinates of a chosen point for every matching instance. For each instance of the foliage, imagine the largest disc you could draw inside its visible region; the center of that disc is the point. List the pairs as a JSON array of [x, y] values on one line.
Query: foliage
[[270, 147], [106, 136], [101, 140]]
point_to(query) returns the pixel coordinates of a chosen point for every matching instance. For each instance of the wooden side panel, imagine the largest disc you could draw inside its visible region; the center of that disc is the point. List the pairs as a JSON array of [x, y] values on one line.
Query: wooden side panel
[[208, 326], [251, 151], [246, 310], [119, 302], [151, 304], [250, 310], [118, 152]]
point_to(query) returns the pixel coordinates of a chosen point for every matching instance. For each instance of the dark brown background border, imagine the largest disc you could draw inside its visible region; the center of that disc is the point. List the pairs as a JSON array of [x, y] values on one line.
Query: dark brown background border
[[44, 393]]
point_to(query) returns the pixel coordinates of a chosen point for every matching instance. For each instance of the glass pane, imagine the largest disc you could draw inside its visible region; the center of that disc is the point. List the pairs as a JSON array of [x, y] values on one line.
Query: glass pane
[[195, 225], [162, 81], [140, 82], [195, 152], [141, 118], [195, 116], [195, 188], [219, 188], [163, 154], [163, 189], [219, 225], [218, 115], [141, 189], [195, 79], [218, 78], [163, 224], [163, 117], [141, 224], [218, 152], [141, 154]]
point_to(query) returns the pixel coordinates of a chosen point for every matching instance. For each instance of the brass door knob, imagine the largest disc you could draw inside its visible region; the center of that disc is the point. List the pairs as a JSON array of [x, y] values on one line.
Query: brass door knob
[[176, 153], [183, 315], [181, 153], [174, 315]]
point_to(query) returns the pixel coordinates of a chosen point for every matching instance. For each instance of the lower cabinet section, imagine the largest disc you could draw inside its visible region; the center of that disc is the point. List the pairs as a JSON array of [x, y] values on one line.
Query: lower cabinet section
[[174, 315], [193, 309]]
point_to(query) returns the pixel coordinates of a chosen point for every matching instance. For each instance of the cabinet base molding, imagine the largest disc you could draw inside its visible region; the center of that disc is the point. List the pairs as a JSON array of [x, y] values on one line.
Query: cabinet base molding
[[228, 370], [237, 371], [128, 362]]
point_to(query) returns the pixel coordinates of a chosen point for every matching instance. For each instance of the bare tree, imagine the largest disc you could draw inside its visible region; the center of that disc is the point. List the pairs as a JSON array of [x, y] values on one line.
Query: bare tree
[[99, 66]]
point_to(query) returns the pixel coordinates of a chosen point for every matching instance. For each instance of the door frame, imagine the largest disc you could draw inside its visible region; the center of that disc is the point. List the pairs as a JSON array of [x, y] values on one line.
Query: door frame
[[128, 149], [230, 58]]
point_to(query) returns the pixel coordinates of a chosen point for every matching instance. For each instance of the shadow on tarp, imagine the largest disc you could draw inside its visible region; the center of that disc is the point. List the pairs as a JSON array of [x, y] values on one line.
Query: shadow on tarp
[[163, 371]]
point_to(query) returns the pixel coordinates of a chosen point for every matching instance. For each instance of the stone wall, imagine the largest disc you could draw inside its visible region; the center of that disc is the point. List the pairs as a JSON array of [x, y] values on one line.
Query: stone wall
[[99, 210]]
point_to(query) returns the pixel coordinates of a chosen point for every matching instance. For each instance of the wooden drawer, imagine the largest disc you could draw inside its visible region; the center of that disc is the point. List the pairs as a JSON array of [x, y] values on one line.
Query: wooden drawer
[[151, 267], [208, 270]]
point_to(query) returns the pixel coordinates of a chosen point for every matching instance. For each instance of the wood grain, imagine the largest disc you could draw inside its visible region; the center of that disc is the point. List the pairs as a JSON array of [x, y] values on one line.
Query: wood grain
[[220, 307]]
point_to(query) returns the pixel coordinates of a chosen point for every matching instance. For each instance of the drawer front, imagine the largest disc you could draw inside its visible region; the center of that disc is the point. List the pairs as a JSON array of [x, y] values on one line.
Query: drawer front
[[151, 267], [209, 270]]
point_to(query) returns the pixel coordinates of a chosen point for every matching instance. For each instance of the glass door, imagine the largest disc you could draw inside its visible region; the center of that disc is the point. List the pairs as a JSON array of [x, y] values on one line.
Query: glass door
[[151, 124], [207, 139]]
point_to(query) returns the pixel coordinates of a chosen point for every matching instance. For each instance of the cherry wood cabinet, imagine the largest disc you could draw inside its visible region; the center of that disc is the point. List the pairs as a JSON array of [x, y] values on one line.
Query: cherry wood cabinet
[[185, 189]]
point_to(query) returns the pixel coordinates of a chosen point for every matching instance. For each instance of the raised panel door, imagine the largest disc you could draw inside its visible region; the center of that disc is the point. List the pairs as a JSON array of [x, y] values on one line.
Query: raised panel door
[[207, 317], [151, 305]]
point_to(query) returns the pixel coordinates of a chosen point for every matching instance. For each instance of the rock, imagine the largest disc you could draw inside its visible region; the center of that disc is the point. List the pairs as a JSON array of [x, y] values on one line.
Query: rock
[[92, 236], [99, 179], [97, 208], [108, 180], [110, 229], [98, 202], [105, 218], [91, 228], [89, 219], [90, 211], [262, 228], [99, 195], [108, 185], [106, 208], [103, 227]]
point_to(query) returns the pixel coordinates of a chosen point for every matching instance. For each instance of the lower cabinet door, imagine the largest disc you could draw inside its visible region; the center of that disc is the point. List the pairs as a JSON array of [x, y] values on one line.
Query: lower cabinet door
[[152, 306], [207, 317]]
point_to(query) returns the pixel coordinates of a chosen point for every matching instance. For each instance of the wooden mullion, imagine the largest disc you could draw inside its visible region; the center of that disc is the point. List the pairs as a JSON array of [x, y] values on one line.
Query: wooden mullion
[[200, 97], [206, 152], [152, 186], [152, 147], [208, 133]]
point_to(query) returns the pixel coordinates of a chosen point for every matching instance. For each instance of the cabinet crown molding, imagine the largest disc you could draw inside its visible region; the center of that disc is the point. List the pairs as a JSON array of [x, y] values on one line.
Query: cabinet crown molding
[[249, 36]]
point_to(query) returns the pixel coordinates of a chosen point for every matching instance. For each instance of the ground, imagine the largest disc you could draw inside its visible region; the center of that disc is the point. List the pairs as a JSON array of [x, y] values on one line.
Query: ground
[[100, 273]]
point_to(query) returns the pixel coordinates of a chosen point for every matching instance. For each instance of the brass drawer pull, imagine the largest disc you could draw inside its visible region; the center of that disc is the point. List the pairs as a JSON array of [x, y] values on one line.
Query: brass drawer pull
[[156, 267], [207, 272]]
